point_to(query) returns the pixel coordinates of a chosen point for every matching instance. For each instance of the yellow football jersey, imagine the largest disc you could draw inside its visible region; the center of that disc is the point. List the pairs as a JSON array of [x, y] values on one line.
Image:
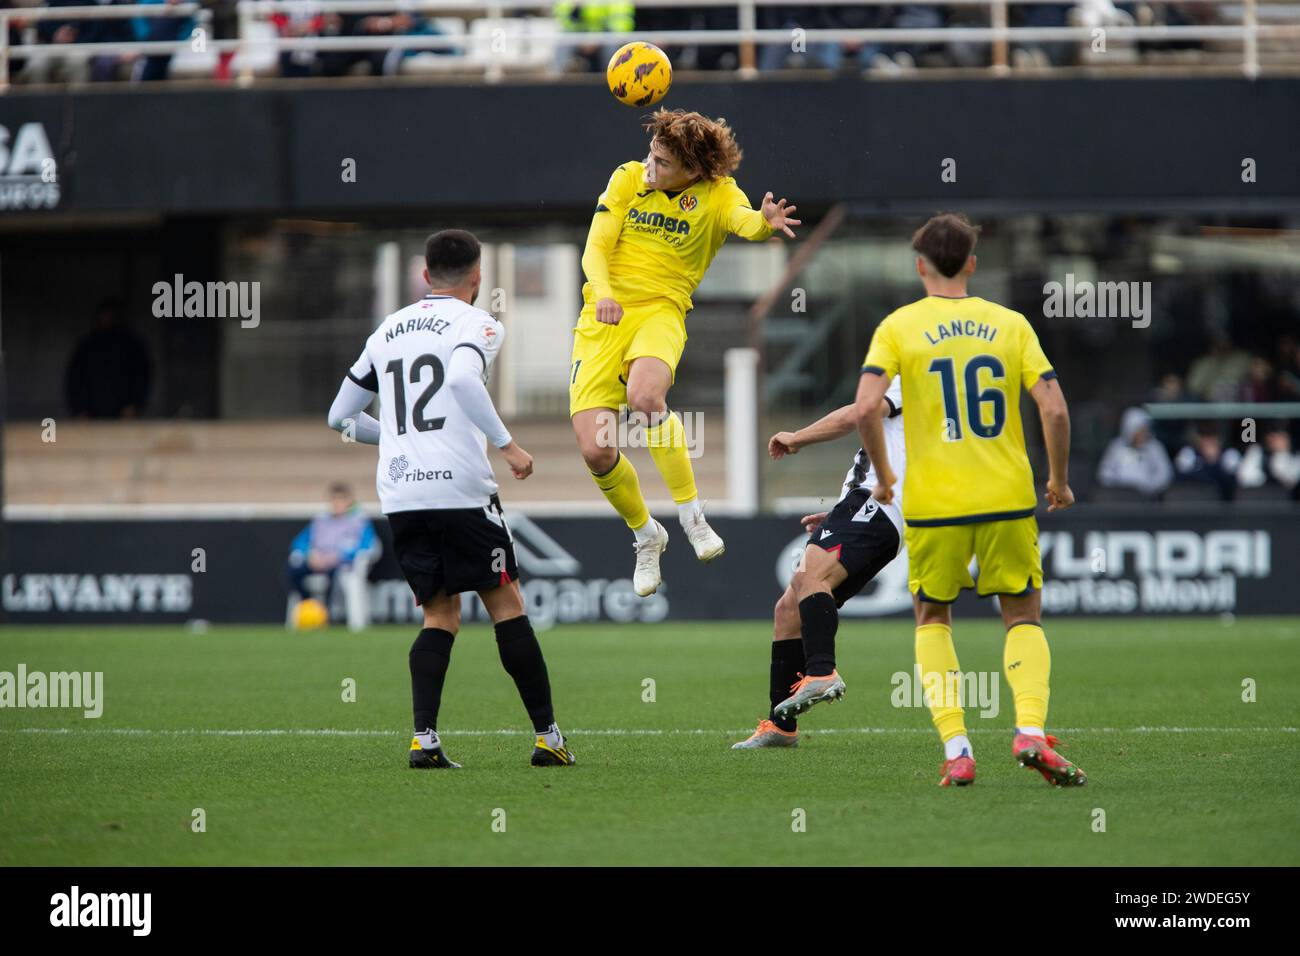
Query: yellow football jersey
[[963, 362], [665, 241]]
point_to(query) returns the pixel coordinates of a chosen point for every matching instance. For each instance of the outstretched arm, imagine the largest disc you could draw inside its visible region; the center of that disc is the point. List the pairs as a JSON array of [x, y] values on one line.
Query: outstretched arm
[[756, 224], [827, 428], [870, 412], [778, 215]]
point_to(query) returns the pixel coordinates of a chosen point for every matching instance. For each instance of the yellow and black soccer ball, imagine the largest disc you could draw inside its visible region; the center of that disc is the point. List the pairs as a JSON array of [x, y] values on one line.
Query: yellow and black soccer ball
[[639, 74]]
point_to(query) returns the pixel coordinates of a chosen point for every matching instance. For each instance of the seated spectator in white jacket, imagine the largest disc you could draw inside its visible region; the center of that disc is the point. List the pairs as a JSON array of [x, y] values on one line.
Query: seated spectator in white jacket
[[1135, 459], [1271, 462]]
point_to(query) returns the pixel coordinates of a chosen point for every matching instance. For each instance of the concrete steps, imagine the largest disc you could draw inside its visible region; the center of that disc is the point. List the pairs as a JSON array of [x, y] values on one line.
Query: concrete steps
[[268, 462]]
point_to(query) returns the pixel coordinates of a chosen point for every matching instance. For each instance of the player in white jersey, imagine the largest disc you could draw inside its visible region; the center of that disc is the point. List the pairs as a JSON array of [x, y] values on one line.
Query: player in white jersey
[[847, 547], [428, 363]]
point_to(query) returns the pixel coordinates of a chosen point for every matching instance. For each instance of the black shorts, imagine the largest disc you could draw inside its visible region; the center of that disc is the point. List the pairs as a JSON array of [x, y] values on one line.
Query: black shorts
[[864, 541], [453, 550]]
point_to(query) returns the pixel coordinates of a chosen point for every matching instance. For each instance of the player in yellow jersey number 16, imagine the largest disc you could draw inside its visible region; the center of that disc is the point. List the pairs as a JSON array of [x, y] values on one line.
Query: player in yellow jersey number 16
[[968, 488], [656, 229]]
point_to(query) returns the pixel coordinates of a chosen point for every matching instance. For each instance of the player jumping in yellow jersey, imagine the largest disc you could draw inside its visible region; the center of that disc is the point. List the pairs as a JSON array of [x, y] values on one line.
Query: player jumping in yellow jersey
[[969, 490], [657, 227]]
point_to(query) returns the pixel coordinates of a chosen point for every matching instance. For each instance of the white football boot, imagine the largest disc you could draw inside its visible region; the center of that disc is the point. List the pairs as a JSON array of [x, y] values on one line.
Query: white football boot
[[646, 578], [703, 539]]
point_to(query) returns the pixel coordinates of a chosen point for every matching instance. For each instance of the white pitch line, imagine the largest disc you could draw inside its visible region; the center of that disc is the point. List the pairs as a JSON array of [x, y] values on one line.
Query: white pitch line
[[603, 732]]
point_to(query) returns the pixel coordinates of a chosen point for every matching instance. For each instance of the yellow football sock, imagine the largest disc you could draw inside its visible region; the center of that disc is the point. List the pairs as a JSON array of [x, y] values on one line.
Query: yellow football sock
[[623, 490], [1028, 666], [936, 655], [667, 442]]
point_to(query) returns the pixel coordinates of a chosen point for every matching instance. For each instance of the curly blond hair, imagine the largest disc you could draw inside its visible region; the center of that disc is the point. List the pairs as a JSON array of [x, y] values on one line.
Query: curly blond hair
[[703, 144]]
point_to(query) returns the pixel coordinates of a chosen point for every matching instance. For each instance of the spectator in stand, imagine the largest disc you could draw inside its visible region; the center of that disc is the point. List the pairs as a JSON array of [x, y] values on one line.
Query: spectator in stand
[[783, 56], [1271, 462], [716, 56], [968, 54], [662, 19], [1135, 460], [1097, 15], [880, 57], [1287, 385], [78, 69], [877, 56], [863, 55], [157, 67], [341, 62], [1205, 460], [416, 25], [17, 27], [110, 373], [1260, 385], [1171, 432], [1218, 375], [650, 20], [299, 22], [1041, 55], [1176, 15], [913, 17], [331, 542], [576, 17], [1286, 381], [225, 26]]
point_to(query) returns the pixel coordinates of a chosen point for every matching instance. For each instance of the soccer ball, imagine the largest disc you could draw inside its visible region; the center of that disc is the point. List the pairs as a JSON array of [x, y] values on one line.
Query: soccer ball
[[639, 74], [310, 615]]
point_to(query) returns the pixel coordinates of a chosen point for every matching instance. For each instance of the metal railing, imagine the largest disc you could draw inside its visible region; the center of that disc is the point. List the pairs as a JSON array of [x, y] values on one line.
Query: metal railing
[[1177, 411], [747, 37], [94, 12]]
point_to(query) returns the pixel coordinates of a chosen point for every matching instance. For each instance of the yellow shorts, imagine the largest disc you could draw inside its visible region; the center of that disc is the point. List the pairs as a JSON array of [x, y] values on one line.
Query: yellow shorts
[[939, 558], [602, 353]]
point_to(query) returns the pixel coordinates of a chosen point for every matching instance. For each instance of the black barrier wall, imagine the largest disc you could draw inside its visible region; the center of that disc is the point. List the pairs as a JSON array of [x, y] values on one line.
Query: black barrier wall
[[1131, 145], [1097, 561]]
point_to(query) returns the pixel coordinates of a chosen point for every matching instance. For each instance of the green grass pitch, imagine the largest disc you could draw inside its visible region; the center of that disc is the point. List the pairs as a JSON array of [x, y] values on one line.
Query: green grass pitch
[[1184, 770]]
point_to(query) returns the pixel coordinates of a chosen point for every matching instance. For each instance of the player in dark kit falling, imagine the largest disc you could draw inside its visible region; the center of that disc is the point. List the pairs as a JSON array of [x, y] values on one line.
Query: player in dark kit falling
[[428, 362], [847, 547]]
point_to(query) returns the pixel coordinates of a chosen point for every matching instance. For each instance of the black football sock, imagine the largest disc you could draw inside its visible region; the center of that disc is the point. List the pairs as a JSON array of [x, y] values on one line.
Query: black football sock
[[787, 665], [820, 621], [521, 656], [430, 655]]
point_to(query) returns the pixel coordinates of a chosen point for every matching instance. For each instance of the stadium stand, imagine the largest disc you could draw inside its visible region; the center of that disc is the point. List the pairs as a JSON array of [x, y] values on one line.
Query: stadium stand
[[261, 39], [257, 465], [258, 101]]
